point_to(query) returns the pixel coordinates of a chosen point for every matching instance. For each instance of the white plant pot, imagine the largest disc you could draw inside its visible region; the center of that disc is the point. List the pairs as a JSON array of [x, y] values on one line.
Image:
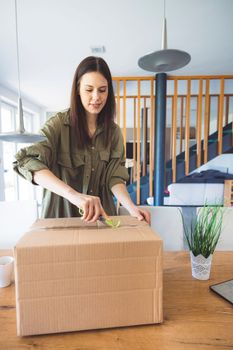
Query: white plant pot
[[201, 266]]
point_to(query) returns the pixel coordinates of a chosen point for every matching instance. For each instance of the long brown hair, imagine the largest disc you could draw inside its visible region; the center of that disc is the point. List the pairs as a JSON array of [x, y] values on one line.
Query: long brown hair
[[77, 111]]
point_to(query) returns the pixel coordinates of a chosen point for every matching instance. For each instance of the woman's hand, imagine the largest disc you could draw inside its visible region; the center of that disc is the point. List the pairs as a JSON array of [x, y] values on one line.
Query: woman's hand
[[121, 193], [90, 206], [140, 214]]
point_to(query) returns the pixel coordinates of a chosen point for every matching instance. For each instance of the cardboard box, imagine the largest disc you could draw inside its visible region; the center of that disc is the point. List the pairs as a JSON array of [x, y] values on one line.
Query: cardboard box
[[73, 276]]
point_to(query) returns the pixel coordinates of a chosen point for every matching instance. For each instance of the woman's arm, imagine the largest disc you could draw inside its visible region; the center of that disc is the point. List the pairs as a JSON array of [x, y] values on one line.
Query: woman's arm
[[90, 205], [121, 193]]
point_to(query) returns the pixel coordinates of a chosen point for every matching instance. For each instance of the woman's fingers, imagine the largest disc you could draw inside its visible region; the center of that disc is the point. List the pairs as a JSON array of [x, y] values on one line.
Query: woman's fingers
[[146, 216], [96, 215], [97, 211], [90, 211], [92, 208], [84, 211], [140, 214]]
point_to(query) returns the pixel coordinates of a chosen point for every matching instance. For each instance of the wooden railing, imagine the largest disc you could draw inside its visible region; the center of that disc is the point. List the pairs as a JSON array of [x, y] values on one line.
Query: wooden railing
[[228, 193], [196, 107]]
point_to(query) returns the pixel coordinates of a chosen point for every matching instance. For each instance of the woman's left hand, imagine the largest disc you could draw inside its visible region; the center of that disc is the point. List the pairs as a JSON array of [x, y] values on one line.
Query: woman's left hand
[[121, 193], [140, 214]]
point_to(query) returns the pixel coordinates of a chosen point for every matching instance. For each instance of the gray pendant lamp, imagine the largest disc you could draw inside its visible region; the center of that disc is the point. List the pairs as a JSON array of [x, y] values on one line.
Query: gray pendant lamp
[[20, 136], [164, 60]]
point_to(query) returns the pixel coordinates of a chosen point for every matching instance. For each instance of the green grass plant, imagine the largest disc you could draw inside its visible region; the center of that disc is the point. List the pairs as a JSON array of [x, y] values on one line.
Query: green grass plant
[[203, 234]]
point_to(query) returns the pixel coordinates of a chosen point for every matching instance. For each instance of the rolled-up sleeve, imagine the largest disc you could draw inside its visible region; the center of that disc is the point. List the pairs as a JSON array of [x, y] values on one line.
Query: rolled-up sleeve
[[117, 170], [39, 155]]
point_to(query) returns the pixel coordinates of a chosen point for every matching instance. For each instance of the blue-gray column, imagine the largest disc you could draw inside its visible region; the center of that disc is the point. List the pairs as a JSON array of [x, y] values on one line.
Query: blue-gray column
[[160, 129]]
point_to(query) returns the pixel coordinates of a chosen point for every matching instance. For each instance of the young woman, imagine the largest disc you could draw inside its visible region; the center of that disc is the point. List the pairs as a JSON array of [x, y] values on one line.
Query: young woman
[[81, 163]]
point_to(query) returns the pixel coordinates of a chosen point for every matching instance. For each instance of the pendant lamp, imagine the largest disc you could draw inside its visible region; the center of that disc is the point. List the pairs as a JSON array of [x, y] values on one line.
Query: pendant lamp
[[166, 59], [20, 136]]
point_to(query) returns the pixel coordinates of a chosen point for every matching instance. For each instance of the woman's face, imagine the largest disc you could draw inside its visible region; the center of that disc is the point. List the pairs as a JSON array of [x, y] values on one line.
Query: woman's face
[[93, 90]]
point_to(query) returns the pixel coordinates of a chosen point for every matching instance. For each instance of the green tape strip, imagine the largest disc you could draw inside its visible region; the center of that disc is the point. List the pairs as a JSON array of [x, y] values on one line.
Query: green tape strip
[[108, 222]]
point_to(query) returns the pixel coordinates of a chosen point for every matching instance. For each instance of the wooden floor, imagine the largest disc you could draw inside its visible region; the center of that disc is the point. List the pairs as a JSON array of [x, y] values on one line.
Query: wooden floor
[[194, 317]]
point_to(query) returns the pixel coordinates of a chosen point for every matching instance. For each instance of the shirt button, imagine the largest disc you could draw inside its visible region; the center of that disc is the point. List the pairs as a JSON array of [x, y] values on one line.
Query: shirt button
[[92, 169], [92, 147], [91, 191]]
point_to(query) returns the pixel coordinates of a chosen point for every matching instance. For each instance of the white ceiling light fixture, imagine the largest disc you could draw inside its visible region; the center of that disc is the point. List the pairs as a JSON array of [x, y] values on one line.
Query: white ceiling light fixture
[[166, 59], [20, 136]]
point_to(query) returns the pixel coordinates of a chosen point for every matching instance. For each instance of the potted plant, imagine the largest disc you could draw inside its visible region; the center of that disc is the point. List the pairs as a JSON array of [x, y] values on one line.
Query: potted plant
[[202, 237]]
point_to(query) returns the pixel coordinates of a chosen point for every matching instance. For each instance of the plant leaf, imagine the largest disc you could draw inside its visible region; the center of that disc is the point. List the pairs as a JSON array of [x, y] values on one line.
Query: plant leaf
[[204, 232]]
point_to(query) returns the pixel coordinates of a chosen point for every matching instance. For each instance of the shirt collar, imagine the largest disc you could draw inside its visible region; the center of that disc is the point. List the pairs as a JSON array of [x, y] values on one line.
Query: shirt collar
[[99, 130], [67, 121], [67, 118]]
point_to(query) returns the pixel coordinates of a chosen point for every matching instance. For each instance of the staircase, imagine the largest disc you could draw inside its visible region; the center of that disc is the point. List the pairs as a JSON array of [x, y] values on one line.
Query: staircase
[[212, 153], [180, 162]]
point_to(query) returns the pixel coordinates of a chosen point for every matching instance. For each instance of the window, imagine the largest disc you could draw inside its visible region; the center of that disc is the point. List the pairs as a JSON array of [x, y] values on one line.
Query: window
[[13, 187]]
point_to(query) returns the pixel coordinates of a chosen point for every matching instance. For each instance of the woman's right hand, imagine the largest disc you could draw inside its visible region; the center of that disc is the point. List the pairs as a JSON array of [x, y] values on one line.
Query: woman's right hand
[[90, 205]]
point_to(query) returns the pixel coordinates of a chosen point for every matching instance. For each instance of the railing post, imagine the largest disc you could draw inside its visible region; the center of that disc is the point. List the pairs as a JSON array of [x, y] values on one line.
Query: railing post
[[159, 145]]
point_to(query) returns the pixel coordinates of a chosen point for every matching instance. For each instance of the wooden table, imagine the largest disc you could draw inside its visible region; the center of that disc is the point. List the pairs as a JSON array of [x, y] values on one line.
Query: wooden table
[[194, 317]]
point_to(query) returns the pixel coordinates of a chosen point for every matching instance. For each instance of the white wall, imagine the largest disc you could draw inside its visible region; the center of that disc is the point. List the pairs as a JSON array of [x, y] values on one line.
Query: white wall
[[167, 223], [223, 163], [15, 218], [171, 231]]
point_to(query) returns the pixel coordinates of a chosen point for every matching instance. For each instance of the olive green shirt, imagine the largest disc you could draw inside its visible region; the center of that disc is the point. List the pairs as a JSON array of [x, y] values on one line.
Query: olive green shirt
[[93, 170]]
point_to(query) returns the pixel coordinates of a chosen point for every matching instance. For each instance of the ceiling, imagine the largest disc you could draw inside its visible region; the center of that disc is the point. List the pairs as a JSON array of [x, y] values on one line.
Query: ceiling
[[55, 35]]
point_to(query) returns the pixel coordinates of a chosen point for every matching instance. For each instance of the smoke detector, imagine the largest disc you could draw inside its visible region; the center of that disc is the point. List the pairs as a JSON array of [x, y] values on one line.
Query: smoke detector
[[98, 49]]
